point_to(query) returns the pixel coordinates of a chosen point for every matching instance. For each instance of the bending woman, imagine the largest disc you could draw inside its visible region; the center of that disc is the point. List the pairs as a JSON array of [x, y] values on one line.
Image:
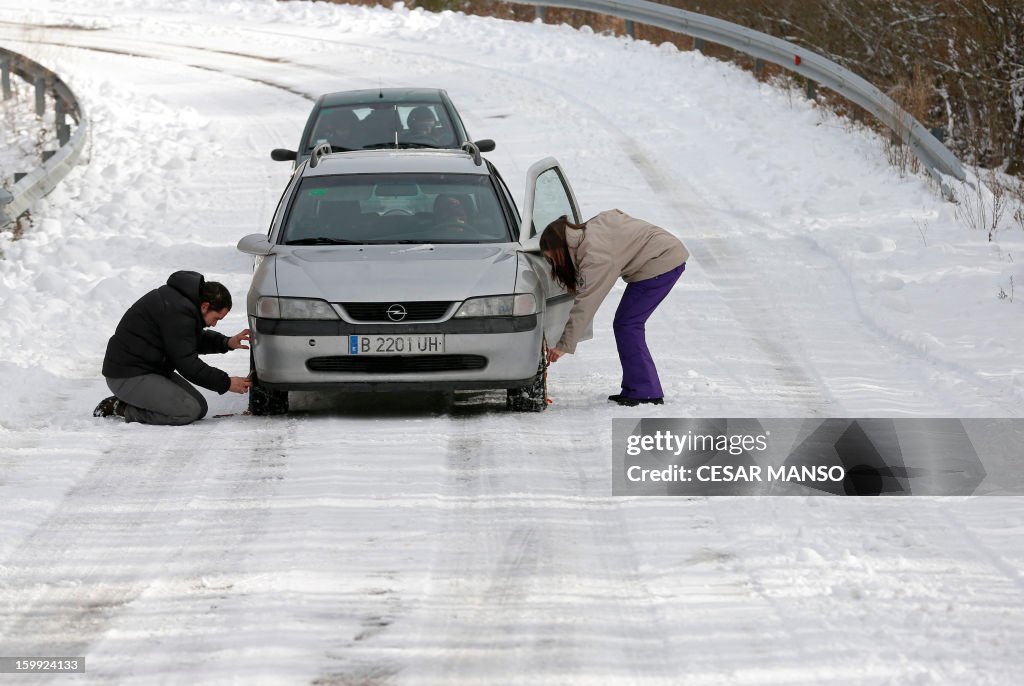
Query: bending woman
[[587, 259]]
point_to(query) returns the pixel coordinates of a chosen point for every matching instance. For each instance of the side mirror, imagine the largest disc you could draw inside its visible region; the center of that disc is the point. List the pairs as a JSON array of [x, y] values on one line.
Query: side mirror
[[484, 145], [282, 155], [255, 244], [531, 245]]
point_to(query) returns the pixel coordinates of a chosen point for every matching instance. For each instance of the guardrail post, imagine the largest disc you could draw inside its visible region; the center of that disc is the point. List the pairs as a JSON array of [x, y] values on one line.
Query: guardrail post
[[542, 13], [40, 95], [812, 90], [698, 45], [630, 28], [5, 76], [758, 67], [60, 111], [939, 132]]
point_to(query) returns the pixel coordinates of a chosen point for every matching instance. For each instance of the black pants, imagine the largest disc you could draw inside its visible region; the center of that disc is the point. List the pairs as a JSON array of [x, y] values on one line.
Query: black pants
[[156, 399]]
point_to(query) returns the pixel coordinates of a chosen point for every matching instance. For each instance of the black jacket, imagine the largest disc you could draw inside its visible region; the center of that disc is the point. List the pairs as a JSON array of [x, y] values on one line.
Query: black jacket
[[164, 332]]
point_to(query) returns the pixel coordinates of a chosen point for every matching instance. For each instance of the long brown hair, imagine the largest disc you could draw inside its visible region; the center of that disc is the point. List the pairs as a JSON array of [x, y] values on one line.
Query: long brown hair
[[555, 247]]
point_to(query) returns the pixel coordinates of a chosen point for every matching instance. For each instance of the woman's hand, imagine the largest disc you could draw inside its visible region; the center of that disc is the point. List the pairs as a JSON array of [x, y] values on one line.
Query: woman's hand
[[554, 354]]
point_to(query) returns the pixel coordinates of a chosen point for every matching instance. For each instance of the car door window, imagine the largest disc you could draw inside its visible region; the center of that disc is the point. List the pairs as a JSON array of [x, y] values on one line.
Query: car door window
[[551, 200]]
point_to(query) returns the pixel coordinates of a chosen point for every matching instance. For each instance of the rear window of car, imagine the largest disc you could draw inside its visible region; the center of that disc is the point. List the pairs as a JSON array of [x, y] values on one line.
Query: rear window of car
[[360, 127], [396, 208]]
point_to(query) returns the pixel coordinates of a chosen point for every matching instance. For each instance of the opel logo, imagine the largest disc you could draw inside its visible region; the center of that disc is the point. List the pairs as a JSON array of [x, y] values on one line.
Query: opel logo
[[396, 313]]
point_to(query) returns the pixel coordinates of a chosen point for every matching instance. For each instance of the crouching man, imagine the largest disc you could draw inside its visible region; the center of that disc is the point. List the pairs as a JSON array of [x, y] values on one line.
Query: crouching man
[[154, 353]]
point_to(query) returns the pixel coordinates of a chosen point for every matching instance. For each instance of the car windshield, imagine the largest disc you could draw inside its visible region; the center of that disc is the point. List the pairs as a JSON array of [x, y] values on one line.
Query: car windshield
[[395, 208], [403, 125]]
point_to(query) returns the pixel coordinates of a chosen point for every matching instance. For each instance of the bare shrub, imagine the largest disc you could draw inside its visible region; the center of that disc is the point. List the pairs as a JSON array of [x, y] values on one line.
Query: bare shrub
[[1016, 192], [981, 202]]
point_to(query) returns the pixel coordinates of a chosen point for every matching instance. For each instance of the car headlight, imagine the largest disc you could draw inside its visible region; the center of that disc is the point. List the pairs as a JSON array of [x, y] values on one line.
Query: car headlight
[[499, 306], [294, 308]]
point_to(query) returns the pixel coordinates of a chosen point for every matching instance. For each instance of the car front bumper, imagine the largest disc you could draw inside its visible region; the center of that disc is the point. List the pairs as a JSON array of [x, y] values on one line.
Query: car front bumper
[[480, 353]]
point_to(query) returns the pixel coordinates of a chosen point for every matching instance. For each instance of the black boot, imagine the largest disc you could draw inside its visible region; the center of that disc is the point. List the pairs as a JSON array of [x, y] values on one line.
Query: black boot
[[633, 402], [109, 407]]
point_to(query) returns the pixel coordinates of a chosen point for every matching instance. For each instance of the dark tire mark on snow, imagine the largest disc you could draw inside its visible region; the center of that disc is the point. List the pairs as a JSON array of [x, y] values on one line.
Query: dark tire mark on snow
[[150, 54]]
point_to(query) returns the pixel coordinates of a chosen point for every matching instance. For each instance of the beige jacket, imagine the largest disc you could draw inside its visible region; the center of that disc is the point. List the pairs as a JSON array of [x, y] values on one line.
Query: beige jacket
[[614, 244]]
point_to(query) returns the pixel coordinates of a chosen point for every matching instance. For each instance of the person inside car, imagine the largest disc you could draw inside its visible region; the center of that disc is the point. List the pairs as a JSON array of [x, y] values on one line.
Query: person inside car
[[154, 353], [587, 259], [421, 124], [339, 129], [449, 213]]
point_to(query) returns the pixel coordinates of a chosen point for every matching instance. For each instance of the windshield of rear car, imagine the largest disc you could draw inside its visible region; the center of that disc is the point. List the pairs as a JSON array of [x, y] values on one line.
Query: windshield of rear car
[[405, 125], [396, 208]]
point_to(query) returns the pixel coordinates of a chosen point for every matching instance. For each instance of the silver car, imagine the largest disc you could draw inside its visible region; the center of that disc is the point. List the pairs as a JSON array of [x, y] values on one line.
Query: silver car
[[382, 118], [398, 270]]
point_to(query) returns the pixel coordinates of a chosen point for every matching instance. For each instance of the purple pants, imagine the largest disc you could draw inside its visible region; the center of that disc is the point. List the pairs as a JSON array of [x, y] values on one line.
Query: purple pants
[[639, 375]]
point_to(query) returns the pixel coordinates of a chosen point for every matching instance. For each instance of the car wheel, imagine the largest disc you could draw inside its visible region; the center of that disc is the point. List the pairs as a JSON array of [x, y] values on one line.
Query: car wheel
[[263, 400], [532, 397]]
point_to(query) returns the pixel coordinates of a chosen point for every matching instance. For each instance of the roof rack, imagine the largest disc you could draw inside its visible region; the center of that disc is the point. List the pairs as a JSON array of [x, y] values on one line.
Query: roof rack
[[470, 147], [318, 152]]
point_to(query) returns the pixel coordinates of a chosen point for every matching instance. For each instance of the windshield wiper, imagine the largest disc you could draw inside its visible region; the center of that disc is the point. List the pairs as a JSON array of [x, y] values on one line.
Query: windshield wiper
[[398, 145], [322, 240]]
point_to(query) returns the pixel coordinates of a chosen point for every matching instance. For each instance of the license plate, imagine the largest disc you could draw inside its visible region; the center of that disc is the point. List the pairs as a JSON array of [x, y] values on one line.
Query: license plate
[[396, 345]]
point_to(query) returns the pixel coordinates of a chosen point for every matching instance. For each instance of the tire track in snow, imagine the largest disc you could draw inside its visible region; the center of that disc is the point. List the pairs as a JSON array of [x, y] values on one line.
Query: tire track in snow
[[67, 569], [177, 516], [171, 53], [530, 581]]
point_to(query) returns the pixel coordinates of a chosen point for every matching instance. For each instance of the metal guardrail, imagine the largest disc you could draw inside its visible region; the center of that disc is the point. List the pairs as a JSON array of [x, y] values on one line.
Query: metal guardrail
[[55, 165], [936, 157]]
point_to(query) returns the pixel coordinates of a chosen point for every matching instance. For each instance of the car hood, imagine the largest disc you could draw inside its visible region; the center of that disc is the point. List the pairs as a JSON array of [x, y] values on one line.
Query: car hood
[[378, 273]]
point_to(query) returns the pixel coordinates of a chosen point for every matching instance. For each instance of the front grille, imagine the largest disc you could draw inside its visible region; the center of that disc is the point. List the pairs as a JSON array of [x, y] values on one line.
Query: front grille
[[423, 311], [397, 364]]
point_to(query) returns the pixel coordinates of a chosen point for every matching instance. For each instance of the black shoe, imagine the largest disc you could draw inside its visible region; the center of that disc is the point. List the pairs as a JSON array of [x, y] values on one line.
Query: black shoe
[[633, 402], [109, 407]]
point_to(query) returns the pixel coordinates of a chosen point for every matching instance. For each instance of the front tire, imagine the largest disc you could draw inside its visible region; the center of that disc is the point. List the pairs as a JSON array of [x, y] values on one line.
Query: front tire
[[534, 396], [262, 400]]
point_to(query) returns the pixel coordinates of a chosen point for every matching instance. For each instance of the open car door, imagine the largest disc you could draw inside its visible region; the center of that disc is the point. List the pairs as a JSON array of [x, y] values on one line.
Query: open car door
[[548, 197]]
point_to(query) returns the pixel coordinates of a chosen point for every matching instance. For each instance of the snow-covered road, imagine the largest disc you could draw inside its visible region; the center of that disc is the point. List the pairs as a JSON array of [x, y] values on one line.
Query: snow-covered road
[[425, 539]]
